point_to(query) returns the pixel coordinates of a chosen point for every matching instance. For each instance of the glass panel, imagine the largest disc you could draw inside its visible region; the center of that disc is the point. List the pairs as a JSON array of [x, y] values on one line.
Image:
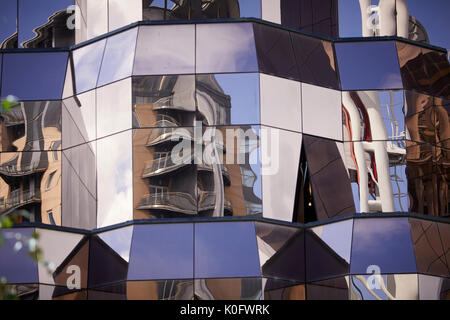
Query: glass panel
[[281, 104], [275, 52], [43, 25], [442, 107], [79, 120], [226, 250], [110, 292], [122, 13], [433, 288], [118, 58], [31, 181], [412, 67], [79, 187], [165, 50], [394, 254], [283, 290], [97, 18], [56, 247], [34, 76], [114, 189], [228, 289], [437, 67], [228, 98], [315, 61], [16, 265], [321, 116], [279, 185], [332, 289], [331, 191], [31, 126], [162, 251], [20, 292], [87, 61], [8, 27], [47, 292], [167, 101], [160, 290], [114, 108], [429, 239], [368, 65], [384, 287], [225, 48], [281, 252]]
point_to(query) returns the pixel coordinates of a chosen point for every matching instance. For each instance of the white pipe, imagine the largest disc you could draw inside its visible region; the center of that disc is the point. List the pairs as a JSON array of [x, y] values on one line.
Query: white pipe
[[402, 19], [388, 24]]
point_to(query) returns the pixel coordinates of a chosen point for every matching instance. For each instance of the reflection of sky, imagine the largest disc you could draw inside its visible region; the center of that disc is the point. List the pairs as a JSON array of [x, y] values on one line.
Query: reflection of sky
[[433, 15], [119, 240], [8, 14], [243, 90], [87, 62], [34, 13], [338, 236]]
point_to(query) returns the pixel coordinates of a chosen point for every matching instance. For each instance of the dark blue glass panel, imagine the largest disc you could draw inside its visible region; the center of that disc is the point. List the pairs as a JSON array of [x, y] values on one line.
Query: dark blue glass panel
[[368, 65], [16, 265], [226, 250], [382, 242], [8, 18], [34, 76], [163, 251]]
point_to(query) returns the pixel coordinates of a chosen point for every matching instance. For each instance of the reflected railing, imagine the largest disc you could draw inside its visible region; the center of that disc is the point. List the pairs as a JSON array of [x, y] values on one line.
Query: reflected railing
[[207, 201], [15, 170], [164, 134], [165, 164], [179, 202], [18, 198]]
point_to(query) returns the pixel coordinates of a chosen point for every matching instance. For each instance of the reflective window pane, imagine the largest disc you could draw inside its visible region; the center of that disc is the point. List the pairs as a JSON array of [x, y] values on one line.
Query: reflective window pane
[[412, 66], [390, 246], [34, 76], [228, 289], [433, 288], [368, 65], [96, 18], [283, 290], [118, 58], [225, 48], [217, 255], [16, 265], [275, 52], [122, 13], [115, 183], [437, 67], [87, 61], [116, 291], [165, 50], [384, 287], [8, 27], [228, 98], [162, 251], [332, 289], [161, 290]]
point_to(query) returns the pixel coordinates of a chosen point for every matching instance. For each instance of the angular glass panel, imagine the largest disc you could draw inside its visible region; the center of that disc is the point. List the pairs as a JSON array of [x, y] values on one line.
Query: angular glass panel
[[16, 265], [69, 81], [279, 184], [315, 61], [281, 104], [412, 67], [217, 255], [115, 291], [122, 13], [394, 254], [32, 126], [368, 65], [164, 177], [225, 48], [160, 290], [31, 181], [228, 289], [114, 108], [165, 50], [442, 107], [228, 98], [431, 245], [281, 252], [118, 58], [43, 25], [433, 288], [163, 101], [437, 67], [73, 270], [79, 187], [8, 27], [47, 292], [162, 251], [384, 287], [34, 76], [56, 246], [331, 289], [115, 183], [275, 51], [87, 61], [322, 112], [331, 190], [283, 290]]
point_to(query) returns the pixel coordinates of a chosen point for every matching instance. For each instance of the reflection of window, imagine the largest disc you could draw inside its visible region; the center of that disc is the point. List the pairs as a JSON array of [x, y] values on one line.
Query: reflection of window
[[54, 146], [49, 180], [50, 217], [248, 177]]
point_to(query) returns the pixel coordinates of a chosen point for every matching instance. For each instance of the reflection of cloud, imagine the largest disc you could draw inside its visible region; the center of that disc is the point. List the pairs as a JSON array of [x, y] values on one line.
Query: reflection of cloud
[[392, 80], [87, 65], [119, 240], [114, 179]]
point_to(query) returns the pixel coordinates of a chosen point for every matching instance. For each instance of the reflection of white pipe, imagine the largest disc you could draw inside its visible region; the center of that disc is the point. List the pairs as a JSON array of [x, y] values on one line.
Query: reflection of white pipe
[[393, 18], [388, 24], [380, 281], [365, 16], [402, 19]]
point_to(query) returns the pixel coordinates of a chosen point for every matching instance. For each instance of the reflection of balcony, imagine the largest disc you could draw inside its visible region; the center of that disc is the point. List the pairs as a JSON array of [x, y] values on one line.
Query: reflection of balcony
[[164, 134], [209, 168], [179, 202], [18, 198], [207, 201], [14, 170], [165, 165], [167, 103]]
